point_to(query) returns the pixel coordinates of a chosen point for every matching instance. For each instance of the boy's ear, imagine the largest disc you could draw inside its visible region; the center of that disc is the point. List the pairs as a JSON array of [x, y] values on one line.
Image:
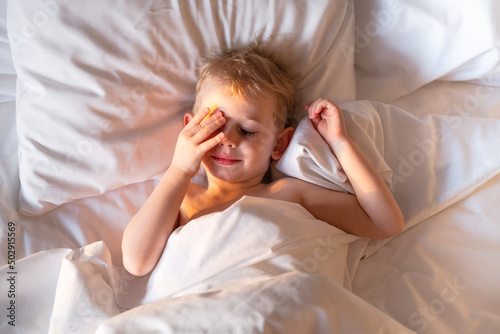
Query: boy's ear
[[187, 118], [282, 142]]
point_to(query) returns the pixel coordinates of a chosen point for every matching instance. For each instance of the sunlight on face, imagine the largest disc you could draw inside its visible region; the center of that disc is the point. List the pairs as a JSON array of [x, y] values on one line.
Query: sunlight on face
[[250, 135]]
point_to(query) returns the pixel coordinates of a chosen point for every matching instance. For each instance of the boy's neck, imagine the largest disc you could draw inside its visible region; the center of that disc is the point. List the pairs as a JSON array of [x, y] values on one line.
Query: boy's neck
[[226, 189]]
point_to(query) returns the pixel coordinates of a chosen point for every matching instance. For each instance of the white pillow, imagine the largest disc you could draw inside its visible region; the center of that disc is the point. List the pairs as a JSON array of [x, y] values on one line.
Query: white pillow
[[402, 45], [103, 85], [308, 157]]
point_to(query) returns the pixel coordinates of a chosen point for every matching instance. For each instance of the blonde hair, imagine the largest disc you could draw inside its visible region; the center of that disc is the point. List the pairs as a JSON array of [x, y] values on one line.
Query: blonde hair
[[250, 73]]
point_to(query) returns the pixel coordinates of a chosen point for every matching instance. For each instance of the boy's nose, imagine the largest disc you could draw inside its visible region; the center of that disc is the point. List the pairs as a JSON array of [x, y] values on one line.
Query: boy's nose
[[230, 137]]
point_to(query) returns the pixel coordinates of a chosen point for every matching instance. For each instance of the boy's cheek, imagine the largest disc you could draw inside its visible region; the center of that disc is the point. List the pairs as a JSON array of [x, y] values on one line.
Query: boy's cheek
[[267, 135]]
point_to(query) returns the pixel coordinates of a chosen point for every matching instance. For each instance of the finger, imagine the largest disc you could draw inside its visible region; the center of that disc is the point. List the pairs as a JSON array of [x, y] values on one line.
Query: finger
[[208, 127], [209, 121], [315, 122], [212, 110], [322, 108], [316, 108], [212, 142], [327, 104], [198, 118]]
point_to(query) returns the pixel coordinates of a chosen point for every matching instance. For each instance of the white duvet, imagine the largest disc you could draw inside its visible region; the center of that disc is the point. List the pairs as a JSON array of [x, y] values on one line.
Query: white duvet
[[259, 266], [262, 265], [429, 162]]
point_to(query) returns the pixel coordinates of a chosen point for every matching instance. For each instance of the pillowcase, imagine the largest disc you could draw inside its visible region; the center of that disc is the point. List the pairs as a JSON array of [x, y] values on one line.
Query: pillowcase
[[308, 157], [402, 45], [103, 86]]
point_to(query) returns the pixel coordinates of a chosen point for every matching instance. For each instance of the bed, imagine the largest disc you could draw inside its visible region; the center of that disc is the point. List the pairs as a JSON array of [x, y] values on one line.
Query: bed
[[92, 95]]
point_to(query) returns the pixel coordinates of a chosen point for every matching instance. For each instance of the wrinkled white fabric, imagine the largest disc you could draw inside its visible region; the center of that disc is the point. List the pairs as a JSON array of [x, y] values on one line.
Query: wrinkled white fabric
[[265, 266], [403, 45], [254, 238], [102, 86], [429, 162], [309, 157]]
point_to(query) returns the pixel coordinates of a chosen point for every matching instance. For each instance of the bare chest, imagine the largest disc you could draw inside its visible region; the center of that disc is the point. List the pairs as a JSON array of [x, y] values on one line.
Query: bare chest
[[193, 208], [199, 202]]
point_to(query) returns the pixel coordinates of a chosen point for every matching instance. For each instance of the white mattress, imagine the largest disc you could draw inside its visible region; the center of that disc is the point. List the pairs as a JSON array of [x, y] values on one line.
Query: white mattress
[[438, 276]]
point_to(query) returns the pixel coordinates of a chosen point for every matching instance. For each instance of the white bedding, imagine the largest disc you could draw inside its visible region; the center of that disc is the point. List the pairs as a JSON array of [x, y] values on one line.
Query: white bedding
[[441, 277], [120, 76], [429, 162], [431, 124], [282, 264]]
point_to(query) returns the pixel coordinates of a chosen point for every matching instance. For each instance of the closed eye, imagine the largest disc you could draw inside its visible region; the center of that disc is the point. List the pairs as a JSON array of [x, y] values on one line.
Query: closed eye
[[247, 133]]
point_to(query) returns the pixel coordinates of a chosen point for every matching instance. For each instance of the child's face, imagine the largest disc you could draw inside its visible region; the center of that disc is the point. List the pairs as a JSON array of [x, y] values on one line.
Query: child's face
[[251, 136]]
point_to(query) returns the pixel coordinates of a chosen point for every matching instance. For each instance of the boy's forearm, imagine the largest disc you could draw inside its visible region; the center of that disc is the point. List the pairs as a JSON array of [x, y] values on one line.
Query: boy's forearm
[[148, 231], [371, 191]]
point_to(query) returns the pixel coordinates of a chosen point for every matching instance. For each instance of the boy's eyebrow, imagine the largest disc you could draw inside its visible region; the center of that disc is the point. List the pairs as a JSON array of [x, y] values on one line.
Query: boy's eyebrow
[[253, 117], [254, 122]]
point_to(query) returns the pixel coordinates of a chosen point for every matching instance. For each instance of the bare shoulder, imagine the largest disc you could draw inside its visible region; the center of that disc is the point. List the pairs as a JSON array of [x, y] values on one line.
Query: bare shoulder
[[292, 189], [339, 209], [296, 184], [336, 208]]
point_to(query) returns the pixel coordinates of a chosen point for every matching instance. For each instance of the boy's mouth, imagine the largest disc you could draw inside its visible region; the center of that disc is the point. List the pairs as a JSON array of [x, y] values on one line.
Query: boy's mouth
[[225, 160]]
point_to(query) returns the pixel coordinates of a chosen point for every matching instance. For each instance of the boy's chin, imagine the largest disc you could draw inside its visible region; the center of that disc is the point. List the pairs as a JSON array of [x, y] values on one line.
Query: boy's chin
[[233, 174], [231, 177]]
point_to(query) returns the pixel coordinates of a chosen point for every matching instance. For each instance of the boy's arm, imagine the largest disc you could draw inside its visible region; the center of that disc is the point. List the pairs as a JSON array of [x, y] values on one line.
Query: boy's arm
[[373, 212], [147, 233]]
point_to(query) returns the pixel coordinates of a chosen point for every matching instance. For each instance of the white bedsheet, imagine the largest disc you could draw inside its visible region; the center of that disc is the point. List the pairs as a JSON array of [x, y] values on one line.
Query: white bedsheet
[[439, 276], [442, 275], [259, 266]]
